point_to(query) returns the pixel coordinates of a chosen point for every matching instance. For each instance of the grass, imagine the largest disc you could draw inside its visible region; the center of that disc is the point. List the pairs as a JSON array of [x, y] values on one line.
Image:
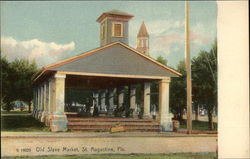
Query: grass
[[5, 113], [134, 156], [199, 125], [20, 121]]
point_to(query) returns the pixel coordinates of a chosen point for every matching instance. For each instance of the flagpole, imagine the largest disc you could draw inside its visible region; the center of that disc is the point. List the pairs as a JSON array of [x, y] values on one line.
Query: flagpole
[[188, 69]]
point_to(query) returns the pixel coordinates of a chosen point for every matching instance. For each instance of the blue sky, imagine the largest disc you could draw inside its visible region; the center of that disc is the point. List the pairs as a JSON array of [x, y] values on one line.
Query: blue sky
[[52, 31]]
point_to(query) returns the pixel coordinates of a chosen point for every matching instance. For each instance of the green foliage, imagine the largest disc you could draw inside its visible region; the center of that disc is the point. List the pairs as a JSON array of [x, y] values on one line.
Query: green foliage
[[178, 93], [17, 81], [80, 96], [204, 69], [6, 95], [162, 60], [204, 84]]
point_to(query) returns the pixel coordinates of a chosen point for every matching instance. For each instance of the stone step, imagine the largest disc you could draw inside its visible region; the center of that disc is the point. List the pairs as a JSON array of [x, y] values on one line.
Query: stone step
[[114, 123], [104, 124], [109, 120], [108, 129], [109, 126]]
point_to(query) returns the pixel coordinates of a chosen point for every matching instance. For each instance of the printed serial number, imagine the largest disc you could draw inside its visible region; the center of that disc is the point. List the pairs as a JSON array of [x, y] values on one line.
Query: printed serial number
[[24, 150]]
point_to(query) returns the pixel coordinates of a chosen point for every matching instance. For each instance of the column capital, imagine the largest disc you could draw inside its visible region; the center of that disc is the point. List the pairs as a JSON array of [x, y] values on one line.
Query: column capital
[[165, 80], [59, 75]]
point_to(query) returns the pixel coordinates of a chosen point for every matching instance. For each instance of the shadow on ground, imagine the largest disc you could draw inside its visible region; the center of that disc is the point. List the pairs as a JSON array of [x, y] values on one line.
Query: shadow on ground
[[20, 122]]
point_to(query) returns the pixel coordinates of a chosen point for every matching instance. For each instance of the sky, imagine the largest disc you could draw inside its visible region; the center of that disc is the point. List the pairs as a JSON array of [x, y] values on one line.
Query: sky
[[49, 31]]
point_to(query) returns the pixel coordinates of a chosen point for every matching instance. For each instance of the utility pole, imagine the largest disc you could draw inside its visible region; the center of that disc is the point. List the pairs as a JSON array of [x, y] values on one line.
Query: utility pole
[[188, 69]]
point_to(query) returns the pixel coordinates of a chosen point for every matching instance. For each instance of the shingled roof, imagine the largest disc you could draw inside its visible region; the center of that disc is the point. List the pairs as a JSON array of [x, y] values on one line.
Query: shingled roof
[[116, 59], [143, 31]]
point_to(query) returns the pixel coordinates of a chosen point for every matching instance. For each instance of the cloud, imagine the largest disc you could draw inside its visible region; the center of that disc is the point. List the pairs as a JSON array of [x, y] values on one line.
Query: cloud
[[159, 27], [44, 53], [164, 42], [155, 28]]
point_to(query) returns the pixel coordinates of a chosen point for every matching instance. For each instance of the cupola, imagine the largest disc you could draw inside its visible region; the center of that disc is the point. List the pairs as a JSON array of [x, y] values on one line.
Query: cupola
[[114, 27]]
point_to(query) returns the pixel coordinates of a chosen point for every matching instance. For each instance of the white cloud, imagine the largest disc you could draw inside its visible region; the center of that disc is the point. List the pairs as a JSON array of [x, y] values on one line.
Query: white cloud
[[160, 26], [156, 29], [44, 53], [167, 37]]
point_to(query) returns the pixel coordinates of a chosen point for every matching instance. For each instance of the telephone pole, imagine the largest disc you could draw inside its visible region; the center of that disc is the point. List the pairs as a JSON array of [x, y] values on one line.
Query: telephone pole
[[188, 69]]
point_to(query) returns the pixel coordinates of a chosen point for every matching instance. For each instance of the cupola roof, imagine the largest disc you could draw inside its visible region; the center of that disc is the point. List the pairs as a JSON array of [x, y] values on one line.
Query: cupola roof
[[143, 31], [114, 13]]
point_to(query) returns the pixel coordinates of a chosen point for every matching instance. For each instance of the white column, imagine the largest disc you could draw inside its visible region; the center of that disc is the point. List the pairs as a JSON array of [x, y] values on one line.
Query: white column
[[115, 94], [59, 119], [36, 93], [48, 101], [111, 99], [44, 113], [34, 102], [120, 96], [164, 116], [96, 96], [40, 102], [133, 100], [146, 109], [103, 95], [93, 101], [97, 99]]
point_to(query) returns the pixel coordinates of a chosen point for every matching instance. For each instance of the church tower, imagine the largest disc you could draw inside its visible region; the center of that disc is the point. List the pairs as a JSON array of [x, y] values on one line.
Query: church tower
[[114, 27], [142, 43]]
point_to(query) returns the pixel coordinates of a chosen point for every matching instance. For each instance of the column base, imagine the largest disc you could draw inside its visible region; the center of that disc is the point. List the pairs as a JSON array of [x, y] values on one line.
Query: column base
[[43, 116], [134, 115], [39, 115], [146, 116], [34, 113], [48, 119], [166, 125], [58, 123]]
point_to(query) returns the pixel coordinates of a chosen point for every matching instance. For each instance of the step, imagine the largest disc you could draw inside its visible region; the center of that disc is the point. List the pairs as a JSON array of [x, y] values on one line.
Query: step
[[109, 126], [113, 123], [108, 129], [109, 120]]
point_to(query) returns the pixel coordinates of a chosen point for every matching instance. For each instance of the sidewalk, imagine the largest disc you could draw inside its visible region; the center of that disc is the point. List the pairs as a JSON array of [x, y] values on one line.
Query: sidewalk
[[102, 134], [46, 143]]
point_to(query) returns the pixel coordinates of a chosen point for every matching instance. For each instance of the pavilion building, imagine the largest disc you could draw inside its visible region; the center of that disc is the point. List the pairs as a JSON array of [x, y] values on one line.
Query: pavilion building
[[106, 70]]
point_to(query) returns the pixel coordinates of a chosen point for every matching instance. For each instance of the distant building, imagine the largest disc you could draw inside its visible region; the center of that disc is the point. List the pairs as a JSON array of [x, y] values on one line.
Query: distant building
[[142, 43]]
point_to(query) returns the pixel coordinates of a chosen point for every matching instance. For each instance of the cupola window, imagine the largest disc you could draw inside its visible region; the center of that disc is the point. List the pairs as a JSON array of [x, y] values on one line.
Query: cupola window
[[102, 31], [117, 29]]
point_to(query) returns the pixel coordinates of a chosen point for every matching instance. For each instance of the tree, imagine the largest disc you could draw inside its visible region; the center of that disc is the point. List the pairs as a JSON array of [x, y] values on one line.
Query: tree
[[204, 68], [6, 95], [17, 81], [178, 93], [162, 60]]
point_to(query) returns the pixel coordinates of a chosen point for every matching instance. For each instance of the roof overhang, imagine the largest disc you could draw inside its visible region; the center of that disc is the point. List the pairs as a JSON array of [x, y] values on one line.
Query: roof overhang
[[49, 70], [114, 16]]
